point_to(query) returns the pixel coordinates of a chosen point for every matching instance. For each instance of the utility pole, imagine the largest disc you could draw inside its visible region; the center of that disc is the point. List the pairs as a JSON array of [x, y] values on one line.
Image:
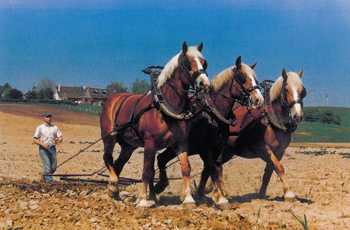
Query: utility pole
[[312, 98], [327, 98]]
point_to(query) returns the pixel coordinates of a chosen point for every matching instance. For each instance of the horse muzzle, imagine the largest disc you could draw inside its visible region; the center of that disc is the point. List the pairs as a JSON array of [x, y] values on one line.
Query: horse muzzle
[[257, 100]]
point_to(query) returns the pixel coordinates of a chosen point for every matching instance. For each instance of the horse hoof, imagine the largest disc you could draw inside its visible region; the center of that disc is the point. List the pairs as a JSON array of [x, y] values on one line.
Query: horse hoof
[[224, 206], [290, 197], [142, 205], [113, 191], [189, 206]]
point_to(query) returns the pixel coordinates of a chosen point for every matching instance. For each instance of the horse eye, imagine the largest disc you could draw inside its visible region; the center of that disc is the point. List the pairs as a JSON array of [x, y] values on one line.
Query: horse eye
[[287, 91]]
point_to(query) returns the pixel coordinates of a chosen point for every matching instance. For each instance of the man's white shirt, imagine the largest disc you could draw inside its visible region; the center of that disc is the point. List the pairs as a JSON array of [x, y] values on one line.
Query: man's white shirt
[[47, 134]]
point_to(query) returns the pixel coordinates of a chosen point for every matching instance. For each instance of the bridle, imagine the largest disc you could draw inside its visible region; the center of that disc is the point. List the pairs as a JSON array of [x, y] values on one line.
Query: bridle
[[241, 79], [288, 105], [184, 62]]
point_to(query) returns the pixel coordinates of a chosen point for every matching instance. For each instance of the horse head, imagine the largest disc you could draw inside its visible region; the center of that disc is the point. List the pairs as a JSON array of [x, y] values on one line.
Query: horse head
[[293, 93], [194, 66], [189, 65], [247, 83]]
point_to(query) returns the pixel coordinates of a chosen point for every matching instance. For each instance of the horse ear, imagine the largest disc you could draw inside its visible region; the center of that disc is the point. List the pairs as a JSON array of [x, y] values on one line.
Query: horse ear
[[184, 48], [200, 47], [284, 74], [253, 66], [301, 73], [238, 62]]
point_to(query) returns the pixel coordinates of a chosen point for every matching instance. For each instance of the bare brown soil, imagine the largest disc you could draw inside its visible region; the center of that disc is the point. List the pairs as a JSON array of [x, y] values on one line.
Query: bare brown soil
[[321, 184]]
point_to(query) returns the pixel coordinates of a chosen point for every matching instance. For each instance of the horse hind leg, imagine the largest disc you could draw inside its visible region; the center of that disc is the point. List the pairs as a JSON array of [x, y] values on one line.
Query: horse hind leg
[[147, 173], [109, 143]]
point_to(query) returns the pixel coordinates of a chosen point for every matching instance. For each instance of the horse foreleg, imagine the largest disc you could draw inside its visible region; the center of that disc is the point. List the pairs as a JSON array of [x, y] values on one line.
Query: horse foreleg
[[278, 167], [265, 180], [211, 166], [162, 160], [186, 195]]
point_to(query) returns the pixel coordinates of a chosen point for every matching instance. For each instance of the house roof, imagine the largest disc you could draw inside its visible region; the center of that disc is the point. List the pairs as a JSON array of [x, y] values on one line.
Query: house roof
[[72, 96], [68, 92], [96, 93]]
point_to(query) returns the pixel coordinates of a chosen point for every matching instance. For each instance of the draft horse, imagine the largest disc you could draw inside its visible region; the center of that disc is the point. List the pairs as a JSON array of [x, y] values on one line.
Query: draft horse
[[267, 132], [210, 130], [133, 120]]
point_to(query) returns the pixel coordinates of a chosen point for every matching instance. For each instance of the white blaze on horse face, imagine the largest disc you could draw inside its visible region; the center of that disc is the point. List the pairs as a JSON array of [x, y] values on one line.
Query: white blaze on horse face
[[259, 100], [297, 106], [203, 77]]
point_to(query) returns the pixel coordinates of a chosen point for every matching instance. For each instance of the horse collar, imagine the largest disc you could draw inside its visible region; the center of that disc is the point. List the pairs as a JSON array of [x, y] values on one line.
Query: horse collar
[[161, 103]]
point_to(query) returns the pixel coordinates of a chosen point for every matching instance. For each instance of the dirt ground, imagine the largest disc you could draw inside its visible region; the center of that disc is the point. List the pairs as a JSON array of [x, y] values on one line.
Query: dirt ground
[[321, 183]]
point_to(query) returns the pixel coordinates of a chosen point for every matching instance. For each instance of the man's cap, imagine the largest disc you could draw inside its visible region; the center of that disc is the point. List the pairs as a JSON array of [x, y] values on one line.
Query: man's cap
[[47, 115]]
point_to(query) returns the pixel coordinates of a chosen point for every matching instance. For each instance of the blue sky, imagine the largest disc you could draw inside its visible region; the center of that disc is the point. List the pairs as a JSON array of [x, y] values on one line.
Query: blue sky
[[92, 43]]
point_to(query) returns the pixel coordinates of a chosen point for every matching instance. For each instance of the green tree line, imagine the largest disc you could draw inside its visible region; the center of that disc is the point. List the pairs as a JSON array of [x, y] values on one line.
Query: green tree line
[[45, 89]]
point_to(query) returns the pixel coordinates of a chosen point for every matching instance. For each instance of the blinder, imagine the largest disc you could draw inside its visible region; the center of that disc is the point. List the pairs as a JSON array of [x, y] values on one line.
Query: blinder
[[303, 92], [241, 78], [187, 66], [289, 105], [187, 63]]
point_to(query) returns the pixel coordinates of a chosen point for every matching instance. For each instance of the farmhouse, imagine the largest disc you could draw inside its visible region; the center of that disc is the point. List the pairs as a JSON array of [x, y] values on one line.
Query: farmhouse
[[84, 95]]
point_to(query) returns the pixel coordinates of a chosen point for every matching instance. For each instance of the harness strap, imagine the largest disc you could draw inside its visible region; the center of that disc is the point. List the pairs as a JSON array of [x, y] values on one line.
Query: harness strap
[[132, 121], [117, 113], [210, 106]]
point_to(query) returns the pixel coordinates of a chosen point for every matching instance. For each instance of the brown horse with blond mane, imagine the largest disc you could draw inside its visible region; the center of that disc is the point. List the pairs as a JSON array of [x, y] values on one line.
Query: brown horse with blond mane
[[133, 120]]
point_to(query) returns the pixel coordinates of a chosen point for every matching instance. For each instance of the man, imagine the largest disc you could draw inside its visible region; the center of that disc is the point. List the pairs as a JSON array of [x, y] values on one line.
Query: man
[[47, 136]]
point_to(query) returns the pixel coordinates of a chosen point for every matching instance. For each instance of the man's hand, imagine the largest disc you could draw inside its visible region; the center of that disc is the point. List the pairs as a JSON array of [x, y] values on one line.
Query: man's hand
[[58, 140]]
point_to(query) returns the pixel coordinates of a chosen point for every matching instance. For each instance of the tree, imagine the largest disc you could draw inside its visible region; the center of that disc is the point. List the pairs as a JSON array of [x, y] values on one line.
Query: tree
[[15, 94], [45, 94], [140, 86], [31, 94], [118, 87], [4, 91], [45, 83]]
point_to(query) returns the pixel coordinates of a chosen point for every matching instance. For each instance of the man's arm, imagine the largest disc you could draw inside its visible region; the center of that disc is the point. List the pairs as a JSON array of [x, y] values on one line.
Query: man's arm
[[59, 140], [36, 141]]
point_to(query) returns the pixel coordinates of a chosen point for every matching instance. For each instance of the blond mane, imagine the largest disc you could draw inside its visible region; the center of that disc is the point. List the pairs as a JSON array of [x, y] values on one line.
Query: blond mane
[[173, 64], [227, 74], [276, 89]]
